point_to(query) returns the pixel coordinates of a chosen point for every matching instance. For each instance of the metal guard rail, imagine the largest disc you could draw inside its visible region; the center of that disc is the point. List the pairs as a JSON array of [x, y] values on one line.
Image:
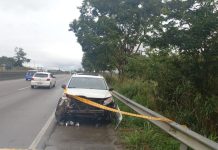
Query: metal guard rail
[[186, 136]]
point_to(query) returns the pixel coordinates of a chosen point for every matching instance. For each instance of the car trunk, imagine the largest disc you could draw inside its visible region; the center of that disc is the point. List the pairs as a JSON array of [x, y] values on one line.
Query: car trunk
[[40, 77]]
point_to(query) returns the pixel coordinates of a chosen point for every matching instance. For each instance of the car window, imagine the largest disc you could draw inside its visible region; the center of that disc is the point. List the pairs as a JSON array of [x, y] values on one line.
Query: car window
[[30, 72], [42, 75], [87, 83]]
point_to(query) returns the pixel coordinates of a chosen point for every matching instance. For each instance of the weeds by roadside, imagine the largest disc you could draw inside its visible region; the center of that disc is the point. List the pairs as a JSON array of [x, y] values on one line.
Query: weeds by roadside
[[139, 134]]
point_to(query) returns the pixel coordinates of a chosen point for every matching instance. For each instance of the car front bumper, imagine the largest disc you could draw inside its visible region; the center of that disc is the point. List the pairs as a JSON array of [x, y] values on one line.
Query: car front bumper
[[71, 108]]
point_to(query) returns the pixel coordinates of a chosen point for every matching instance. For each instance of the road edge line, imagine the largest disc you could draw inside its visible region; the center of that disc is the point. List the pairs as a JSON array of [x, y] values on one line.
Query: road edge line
[[23, 88], [43, 135]]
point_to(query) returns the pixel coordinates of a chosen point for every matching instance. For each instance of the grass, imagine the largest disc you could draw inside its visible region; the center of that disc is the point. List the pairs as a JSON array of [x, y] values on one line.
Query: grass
[[139, 134]]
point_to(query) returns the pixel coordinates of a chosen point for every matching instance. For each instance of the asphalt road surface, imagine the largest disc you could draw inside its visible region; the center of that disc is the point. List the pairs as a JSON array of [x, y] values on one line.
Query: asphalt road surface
[[85, 137], [24, 111]]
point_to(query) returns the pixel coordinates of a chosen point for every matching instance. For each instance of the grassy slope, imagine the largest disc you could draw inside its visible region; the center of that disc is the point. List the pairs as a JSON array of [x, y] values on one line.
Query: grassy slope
[[139, 134]]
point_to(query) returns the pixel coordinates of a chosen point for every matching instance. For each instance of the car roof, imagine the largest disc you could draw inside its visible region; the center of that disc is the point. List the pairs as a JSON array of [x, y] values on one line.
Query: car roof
[[87, 76], [31, 70]]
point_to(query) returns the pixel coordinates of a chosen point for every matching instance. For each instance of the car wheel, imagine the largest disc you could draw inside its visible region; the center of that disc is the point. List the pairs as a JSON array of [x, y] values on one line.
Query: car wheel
[[60, 113], [32, 87]]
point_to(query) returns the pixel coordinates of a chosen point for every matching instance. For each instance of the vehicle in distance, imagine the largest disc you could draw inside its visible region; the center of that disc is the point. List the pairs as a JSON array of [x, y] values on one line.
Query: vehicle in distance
[[29, 74], [91, 87], [43, 79]]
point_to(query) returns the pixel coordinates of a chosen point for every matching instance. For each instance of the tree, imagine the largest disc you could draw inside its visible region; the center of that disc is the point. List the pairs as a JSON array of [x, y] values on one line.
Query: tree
[[9, 62], [191, 27], [181, 53], [191, 30], [116, 29], [20, 57]]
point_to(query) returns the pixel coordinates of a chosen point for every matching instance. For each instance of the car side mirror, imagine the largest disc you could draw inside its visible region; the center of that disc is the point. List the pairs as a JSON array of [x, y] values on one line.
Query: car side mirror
[[111, 89], [64, 86]]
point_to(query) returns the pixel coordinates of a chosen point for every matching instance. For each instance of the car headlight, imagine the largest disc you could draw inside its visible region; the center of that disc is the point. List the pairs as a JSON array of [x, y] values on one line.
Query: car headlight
[[108, 101]]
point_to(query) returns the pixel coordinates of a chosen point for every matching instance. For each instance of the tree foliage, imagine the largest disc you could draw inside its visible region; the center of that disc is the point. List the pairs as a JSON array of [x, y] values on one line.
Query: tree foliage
[[20, 57], [173, 43], [9, 62], [111, 31]]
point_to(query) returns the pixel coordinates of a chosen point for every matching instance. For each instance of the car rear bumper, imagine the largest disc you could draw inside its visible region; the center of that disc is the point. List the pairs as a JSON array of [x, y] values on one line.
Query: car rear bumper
[[28, 77], [40, 83]]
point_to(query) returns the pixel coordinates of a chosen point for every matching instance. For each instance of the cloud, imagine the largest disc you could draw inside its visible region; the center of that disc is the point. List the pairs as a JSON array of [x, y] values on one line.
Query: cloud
[[41, 29], [22, 6]]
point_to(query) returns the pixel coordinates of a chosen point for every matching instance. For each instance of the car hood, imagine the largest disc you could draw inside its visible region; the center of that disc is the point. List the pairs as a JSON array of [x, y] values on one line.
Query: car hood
[[89, 93]]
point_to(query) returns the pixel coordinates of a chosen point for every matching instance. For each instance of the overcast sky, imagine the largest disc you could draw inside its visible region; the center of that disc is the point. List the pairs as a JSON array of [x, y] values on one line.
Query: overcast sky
[[40, 27]]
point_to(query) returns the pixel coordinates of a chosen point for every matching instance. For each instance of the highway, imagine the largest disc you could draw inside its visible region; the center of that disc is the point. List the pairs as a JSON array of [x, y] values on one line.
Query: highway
[[24, 111]]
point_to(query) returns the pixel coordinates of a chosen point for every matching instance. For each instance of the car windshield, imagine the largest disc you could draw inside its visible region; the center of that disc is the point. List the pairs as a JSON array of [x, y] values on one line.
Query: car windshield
[[41, 75], [87, 83]]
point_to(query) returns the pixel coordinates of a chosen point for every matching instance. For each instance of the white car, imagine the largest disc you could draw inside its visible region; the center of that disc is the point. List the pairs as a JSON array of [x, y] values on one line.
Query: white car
[[43, 79], [92, 87]]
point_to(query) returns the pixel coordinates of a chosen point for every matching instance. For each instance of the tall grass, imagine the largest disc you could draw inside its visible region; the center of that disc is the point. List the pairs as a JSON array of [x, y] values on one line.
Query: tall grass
[[139, 134]]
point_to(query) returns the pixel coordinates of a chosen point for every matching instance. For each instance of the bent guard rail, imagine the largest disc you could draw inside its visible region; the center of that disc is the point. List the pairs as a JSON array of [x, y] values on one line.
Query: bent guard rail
[[187, 137]]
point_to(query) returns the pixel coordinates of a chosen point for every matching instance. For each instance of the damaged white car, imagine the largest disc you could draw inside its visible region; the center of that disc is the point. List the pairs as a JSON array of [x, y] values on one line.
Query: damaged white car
[[91, 87]]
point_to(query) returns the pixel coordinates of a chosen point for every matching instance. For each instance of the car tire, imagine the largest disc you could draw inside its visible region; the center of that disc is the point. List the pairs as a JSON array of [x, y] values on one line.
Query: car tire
[[32, 87], [60, 112]]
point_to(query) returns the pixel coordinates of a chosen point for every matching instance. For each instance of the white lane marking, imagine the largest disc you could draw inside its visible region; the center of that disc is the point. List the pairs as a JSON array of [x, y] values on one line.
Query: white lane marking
[[24, 88], [12, 149], [42, 132]]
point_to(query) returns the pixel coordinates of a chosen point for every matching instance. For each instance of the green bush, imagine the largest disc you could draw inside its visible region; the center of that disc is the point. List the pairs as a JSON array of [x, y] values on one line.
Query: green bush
[[177, 86], [173, 85], [141, 91]]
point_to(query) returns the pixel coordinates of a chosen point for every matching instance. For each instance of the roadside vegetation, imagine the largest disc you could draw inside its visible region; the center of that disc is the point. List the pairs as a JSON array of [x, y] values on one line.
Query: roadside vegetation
[[165, 53], [139, 134], [14, 63]]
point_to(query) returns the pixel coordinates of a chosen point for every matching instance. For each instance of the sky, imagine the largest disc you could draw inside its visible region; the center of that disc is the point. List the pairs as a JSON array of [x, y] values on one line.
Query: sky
[[40, 27]]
